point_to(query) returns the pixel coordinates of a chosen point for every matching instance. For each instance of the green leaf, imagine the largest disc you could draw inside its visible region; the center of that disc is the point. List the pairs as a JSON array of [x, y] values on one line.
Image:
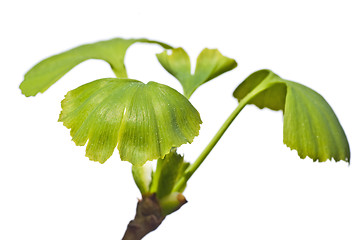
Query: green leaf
[[144, 120], [169, 170], [210, 64], [310, 125], [47, 72]]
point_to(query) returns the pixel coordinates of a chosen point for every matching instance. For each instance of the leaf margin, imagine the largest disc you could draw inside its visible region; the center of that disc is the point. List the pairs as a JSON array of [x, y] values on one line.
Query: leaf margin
[[260, 81]]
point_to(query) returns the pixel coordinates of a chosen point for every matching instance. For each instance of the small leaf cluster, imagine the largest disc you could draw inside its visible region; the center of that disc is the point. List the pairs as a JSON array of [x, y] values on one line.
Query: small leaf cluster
[[150, 121]]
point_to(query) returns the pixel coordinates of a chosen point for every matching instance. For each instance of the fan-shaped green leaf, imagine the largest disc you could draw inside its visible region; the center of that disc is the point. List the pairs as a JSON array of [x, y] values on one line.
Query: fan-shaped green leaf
[[144, 120], [310, 125], [47, 72], [210, 64]]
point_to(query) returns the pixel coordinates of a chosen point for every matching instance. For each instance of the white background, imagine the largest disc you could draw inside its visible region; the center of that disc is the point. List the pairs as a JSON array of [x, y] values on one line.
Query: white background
[[250, 187]]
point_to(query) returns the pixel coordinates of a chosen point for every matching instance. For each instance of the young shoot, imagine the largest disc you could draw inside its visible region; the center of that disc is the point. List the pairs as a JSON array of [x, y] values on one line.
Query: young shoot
[[148, 122]]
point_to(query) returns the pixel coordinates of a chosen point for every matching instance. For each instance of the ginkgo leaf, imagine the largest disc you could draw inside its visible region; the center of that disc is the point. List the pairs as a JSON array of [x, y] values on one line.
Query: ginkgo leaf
[[310, 125], [210, 64], [144, 120], [47, 72], [169, 170]]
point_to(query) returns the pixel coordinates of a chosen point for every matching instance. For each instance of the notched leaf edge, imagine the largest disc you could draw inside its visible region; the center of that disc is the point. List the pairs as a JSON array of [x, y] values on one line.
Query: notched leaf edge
[[210, 64], [310, 125], [157, 118]]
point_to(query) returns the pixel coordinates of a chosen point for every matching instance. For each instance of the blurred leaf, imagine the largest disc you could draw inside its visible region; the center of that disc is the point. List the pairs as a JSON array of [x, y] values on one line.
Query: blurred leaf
[[144, 120], [210, 64], [47, 72], [142, 176], [310, 125]]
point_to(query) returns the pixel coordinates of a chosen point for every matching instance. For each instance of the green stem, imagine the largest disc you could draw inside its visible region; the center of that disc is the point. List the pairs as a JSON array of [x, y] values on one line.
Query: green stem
[[120, 71], [193, 167]]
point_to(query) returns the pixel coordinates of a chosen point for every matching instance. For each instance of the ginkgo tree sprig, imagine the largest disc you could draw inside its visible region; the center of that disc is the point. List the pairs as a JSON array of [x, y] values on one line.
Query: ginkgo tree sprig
[[150, 121]]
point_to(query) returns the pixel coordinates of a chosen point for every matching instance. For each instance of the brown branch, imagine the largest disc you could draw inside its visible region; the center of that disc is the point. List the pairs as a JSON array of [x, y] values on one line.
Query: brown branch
[[147, 218]]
